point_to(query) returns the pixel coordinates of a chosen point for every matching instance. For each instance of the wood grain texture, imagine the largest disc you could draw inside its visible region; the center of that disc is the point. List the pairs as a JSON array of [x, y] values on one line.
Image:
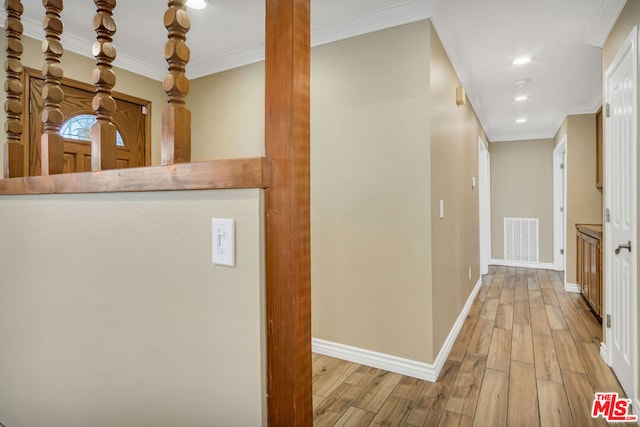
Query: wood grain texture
[[464, 394], [521, 344], [499, 357], [288, 253], [580, 395], [568, 356], [523, 396], [492, 400], [214, 175], [546, 359], [14, 154], [554, 406]]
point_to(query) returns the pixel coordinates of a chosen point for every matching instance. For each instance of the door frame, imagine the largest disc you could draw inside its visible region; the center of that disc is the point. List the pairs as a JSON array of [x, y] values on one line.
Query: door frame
[[560, 200], [30, 73], [631, 43], [484, 209]]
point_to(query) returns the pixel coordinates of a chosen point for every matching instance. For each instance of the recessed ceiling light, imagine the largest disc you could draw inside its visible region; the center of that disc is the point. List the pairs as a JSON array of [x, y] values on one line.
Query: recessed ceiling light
[[521, 120], [196, 4], [522, 98], [521, 61]]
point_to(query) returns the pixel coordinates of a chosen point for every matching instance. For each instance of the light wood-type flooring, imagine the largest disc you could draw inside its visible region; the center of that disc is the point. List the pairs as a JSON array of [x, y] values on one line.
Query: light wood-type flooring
[[527, 355]]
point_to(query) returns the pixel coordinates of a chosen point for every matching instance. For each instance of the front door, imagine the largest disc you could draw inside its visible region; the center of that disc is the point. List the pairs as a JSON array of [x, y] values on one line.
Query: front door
[[131, 120], [621, 209]]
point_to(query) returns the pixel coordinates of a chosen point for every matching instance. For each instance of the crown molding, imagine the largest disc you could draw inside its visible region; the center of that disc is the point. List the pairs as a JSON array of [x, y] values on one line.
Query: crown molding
[[376, 20], [521, 136], [444, 27], [592, 107], [605, 19], [226, 62]]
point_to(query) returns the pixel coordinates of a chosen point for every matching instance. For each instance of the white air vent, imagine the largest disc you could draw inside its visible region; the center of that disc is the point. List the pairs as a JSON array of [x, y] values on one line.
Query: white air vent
[[521, 239]]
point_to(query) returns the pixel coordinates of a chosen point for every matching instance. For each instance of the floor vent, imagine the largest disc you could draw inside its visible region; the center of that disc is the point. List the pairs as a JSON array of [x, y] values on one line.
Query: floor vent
[[521, 239]]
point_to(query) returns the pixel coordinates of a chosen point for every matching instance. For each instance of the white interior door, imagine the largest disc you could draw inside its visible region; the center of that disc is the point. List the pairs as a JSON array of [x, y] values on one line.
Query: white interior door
[[620, 215], [559, 202], [484, 183]]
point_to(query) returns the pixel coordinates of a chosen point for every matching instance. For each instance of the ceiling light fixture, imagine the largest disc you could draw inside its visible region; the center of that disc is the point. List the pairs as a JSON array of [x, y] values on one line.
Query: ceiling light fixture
[[522, 98], [521, 61], [521, 120], [196, 4]]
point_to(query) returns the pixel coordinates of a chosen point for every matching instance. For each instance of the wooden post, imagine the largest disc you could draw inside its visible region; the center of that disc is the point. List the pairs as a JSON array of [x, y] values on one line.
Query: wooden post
[[288, 213], [103, 132], [13, 148], [176, 118], [52, 144]]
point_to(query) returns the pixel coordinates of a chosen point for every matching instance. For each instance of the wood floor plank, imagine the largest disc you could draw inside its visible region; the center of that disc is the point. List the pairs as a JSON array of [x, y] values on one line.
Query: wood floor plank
[[452, 419], [336, 404], [521, 277], [362, 376], [521, 294], [331, 374], [579, 301], [554, 406], [409, 388], [600, 375], [495, 290], [592, 323], [521, 344], [535, 299], [504, 316], [523, 396], [462, 342], [578, 329], [489, 309], [507, 296], [565, 301], [509, 278], [580, 396], [394, 412], [543, 279], [317, 400], [549, 297], [476, 308], [429, 406], [492, 400], [556, 318], [568, 356], [355, 417], [532, 279], [481, 338], [540, 322], [499, 357], [546, 359], [521, 313], [377, 392], [464, 394]]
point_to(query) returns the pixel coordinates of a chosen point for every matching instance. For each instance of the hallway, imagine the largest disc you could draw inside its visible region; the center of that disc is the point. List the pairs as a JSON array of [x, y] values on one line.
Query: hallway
[[528, 354]]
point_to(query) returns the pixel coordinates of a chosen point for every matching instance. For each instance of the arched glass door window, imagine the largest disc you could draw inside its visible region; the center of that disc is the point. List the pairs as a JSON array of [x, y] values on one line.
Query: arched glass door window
[[79, 128]]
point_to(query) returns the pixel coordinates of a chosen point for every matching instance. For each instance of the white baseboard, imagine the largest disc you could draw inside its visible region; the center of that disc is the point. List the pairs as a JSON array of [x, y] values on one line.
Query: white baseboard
[[542, 265], [399, 365], [604, 354], [573, 288]]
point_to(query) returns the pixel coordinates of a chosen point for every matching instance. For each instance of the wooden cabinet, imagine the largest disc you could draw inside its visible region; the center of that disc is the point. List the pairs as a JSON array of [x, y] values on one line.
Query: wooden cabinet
[[589, 264]]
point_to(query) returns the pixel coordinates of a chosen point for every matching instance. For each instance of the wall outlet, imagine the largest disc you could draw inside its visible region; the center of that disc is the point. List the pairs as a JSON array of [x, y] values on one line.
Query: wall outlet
[[469, 273]]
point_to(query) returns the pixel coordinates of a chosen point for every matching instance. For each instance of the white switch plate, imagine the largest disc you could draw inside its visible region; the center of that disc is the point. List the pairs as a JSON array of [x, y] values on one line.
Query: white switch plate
[[473, 182], [224, 242], [441, 209]]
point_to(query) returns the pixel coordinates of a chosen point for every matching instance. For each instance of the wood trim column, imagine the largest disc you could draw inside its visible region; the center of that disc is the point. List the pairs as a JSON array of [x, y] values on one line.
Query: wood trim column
[[287, 139]]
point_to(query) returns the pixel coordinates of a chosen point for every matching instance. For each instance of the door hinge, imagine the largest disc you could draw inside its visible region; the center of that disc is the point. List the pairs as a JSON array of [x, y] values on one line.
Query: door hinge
[[561, 165], [561, 208], [561, 251], [608, 320], [607, 110], [607, 215], [144, 109]]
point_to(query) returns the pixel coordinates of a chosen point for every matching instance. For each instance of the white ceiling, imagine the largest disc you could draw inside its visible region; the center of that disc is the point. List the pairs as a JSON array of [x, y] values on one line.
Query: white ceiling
[[481, 37]]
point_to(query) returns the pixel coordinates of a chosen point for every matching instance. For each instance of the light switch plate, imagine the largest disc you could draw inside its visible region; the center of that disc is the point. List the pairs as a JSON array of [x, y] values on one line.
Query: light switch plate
[[441, 209], [224, 242]]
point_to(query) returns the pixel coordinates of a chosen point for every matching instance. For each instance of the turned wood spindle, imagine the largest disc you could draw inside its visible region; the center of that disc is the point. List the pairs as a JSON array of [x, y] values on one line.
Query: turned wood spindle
[[103, 132], [13, 148], [52, 144], [176, 118]]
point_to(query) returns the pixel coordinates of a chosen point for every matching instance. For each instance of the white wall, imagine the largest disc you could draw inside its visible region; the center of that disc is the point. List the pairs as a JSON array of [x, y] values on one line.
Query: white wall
[[112, 314]]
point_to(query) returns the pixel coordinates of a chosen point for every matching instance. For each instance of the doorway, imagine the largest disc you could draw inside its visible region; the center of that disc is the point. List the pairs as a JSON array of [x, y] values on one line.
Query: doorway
[[484, 178], [559, 203], [132, 120], [620, 225]]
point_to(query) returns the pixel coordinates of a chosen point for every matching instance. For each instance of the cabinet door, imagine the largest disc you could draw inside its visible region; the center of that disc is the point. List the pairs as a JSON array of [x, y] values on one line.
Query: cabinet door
[[593, 274]]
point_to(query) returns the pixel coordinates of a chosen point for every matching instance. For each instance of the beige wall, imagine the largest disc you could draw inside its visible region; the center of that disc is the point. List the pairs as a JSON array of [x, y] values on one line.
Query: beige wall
[[522, 187], [112, 314], [454, 161], [80, 68], [629, 18], [370, 233], [584, 200]]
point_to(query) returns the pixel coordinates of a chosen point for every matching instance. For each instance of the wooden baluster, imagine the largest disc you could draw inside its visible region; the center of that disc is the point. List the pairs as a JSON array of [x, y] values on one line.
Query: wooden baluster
[[52, 144], [176, 118], [103, 133], [13, 148]]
